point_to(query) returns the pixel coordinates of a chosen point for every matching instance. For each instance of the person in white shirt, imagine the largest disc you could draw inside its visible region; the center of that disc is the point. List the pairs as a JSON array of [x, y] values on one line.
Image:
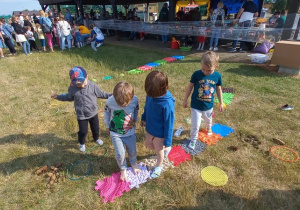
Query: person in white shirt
[[246, 14]]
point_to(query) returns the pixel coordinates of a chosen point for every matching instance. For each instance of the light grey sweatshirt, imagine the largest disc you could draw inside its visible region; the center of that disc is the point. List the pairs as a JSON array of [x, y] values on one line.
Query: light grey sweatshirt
[[85, 99], [121, 120]]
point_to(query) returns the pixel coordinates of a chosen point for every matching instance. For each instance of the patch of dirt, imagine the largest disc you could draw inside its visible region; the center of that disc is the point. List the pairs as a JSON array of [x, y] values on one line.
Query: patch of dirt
[[251, 139]]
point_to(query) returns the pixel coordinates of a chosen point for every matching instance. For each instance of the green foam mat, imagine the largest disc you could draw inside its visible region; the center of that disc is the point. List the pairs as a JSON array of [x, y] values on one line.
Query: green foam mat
[[135, 71], [227, 98], [160, 61]]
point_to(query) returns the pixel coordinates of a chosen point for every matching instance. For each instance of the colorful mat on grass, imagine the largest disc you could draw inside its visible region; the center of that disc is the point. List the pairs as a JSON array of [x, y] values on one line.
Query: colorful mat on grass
[[151, 163], [214, 176], [222, 130], [178, 155], [208, 140], [199, 147], [136, 180], [227, 98], [112, 187]]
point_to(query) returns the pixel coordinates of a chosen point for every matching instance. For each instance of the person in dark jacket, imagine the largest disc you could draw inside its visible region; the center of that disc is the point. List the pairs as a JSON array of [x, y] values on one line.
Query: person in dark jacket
[[20, 35], [164, 17]]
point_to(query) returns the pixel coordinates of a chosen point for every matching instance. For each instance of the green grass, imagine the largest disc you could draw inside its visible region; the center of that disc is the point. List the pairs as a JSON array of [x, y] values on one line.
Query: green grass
[[36, 131]]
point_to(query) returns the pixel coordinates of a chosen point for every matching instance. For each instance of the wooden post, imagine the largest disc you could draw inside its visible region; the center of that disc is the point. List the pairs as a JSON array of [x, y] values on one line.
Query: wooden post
[[288, 32]]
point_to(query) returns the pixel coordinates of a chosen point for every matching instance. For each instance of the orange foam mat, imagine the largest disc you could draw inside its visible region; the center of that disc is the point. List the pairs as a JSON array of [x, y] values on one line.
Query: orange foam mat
[[208, 140]]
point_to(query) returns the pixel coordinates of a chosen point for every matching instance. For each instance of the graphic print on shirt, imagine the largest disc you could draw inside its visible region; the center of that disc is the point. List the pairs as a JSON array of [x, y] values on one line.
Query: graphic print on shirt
[[121, 122], [206, 90]]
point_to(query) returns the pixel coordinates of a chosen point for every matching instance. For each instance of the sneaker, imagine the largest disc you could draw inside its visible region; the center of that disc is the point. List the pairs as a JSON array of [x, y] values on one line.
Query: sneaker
[[100, 142], [142, 38], [82, 147], [216, 49], [232, 50], [211, 48], [156, 172], [98, 45], [287, 107], [209, 132], [2, 56], [241, 50], [192, 145], [30, 53]]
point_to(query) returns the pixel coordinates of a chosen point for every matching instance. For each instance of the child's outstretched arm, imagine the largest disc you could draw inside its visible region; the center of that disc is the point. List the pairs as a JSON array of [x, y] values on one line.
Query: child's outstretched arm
[[107, 113], [63, 96], [101, 94], [220, 97], [187, 94]]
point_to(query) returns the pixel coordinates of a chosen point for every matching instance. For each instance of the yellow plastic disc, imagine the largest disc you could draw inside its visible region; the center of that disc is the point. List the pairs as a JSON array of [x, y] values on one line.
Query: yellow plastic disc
[[214, 176]]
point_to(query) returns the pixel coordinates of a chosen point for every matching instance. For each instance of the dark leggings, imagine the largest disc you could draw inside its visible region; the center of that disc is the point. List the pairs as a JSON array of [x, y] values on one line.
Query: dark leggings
[[83, 128], [33, 45]]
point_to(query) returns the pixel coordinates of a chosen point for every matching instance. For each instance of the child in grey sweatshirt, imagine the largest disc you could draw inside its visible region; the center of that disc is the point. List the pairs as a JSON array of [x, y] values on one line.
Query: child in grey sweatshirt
[[120, 117], [84, 93]]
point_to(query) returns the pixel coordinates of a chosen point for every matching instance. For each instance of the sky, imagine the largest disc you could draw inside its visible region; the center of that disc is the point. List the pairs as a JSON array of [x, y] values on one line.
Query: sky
[[8, 6]]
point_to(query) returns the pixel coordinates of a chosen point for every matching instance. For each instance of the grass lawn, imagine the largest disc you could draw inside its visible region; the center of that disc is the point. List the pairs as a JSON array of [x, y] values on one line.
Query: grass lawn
[[36, 131]]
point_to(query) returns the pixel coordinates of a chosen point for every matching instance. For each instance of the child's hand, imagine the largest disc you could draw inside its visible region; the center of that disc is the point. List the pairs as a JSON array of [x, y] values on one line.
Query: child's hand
[[54, 95], [184, 104], [221, 107], [143, 123], [108, 131]]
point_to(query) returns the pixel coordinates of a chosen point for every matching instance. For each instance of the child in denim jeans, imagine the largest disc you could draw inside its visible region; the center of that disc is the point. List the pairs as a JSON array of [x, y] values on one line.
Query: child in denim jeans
[[120, 116]]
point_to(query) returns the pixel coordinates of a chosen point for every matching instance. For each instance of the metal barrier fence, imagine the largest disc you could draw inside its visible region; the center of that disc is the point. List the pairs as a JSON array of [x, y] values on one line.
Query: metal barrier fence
[[257, 31]]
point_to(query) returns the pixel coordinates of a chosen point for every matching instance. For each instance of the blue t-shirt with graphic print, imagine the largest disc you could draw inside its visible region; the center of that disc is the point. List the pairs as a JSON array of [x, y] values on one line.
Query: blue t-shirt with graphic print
[[204, 89]]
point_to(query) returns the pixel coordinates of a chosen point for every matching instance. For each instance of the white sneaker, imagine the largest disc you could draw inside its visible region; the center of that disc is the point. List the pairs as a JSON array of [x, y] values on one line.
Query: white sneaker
[[100, 142], [209, 132], [210, 49], [215, 49], [82, 147], [99, 44]]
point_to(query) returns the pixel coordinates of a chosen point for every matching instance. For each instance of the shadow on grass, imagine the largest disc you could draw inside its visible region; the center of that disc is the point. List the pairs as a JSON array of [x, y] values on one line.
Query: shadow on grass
[[253, 71], [266, 200], [59, 151]]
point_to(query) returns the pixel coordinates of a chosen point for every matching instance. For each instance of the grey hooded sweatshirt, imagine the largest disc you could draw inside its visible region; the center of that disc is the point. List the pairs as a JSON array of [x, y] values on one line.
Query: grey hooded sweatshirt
[[85, 99]]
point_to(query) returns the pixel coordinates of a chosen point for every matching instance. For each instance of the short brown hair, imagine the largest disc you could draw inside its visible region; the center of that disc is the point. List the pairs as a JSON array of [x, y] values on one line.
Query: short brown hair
[[27, 27], [210, 59], [123, 93], [91, 26], [156, 84]]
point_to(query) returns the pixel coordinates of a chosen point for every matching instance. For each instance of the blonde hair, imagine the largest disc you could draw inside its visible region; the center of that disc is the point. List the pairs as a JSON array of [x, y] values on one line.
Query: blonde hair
[[123, 93], [210, 59], [42, 13], [220, 4], [61, 17]]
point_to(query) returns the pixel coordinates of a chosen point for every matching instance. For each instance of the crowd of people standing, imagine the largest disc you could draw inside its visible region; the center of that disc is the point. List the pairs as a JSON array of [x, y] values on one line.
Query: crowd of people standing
[[55, 28]]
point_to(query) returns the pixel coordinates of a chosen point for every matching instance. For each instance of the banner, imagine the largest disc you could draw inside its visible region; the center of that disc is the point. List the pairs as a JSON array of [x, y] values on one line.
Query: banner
[[235, 5]]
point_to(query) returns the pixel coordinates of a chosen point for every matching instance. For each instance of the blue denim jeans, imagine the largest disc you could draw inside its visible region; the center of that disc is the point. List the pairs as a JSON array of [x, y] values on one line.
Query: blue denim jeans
[[244, 24], [215, 34], [26, 47], [120, 143], [63, 44]]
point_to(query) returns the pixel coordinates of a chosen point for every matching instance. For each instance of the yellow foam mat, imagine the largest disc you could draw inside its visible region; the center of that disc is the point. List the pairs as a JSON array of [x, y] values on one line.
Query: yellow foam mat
[[214, 176]]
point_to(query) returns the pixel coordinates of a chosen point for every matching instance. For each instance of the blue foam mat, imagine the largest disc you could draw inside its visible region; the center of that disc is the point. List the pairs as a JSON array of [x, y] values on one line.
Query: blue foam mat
[[223, 130]]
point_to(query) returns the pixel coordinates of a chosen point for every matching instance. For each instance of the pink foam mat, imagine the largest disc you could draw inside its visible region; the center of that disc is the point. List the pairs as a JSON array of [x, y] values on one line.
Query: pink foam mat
[[169, 59], [112, 187], [145, 68], [136, 180], [178, 155]]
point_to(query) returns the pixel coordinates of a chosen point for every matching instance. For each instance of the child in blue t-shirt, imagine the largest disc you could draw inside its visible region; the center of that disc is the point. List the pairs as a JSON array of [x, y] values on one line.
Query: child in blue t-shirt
[[205, 83], [97, 37]]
